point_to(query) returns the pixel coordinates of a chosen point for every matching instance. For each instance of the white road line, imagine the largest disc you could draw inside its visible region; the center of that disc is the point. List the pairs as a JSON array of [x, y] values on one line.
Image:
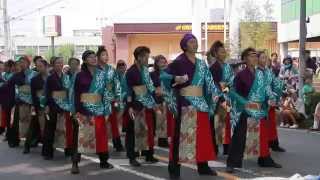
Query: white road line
[[214, 164], [161, 148], [117, 166]]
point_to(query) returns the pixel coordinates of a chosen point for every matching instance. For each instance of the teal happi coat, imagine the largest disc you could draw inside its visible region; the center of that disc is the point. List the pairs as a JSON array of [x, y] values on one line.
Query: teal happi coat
[[137, 77], [65, 103], [68, 83], [258, 93], [202, 77], [113, 91], [26, 97], [123, 90], [227, 77], [98, 86]]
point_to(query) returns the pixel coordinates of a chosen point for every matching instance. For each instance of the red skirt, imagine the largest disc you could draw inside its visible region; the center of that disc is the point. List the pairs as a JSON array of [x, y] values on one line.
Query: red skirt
[[272, 124], [3, 118], [195, 137], [114, 123]]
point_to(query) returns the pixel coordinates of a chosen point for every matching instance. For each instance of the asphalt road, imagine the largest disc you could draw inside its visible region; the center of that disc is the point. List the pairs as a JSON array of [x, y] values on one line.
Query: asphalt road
[[302, 157]]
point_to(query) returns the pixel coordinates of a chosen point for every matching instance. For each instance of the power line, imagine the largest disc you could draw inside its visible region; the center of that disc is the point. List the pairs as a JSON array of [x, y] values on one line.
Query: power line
[[35, 10]]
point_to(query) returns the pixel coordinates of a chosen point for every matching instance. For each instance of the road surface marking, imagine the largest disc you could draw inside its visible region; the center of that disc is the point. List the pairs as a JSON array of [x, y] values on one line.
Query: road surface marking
[[113, 162]]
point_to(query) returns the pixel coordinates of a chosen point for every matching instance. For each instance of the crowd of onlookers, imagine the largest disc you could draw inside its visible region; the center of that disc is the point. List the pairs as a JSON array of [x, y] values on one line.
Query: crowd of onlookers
[[288, 72], [289, 106]]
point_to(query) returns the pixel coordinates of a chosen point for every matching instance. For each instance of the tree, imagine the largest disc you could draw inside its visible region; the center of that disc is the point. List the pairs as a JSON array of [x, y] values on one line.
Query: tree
[[48, 54], [30, 52], [268, 11], [66, 51], [255, 26]]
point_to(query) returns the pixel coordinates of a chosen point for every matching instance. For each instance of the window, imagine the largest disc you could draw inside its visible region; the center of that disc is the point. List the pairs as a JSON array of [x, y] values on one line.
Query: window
[[290, 9], [309, 7], [316, 6]]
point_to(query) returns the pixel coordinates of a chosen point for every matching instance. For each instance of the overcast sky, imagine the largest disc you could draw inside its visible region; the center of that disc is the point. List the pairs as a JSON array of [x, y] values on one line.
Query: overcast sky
[[85, 14]]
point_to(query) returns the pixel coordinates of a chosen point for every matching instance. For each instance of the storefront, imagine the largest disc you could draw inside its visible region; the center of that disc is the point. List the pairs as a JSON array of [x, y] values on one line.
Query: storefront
[[161, 38]]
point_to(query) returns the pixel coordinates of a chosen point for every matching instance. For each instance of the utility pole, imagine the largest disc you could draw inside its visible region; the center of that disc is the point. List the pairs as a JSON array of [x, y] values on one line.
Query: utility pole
[[224, 21], [206, 26], [302, 41], [197, 9], [5, 28], [52, 46]]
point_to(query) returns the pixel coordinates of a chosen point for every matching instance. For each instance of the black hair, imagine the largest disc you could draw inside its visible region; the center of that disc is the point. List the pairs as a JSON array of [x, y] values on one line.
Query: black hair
[[288, 58], [119, 62], [44, 62], [36, 58], [51, 60], [141, 50], [73, 59], [101, 49], [10, 63], [245, 53], [215, 47], [54, 59], [259, 53], [274, 53], [85, 55], [156, 61]]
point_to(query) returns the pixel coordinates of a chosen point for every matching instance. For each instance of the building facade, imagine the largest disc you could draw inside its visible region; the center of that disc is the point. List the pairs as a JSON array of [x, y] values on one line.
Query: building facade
[[161, 38], [42, 45], [288, 28]]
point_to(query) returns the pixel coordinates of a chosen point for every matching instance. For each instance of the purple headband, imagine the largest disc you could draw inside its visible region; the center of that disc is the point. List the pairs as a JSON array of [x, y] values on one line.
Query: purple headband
[[185, 39]]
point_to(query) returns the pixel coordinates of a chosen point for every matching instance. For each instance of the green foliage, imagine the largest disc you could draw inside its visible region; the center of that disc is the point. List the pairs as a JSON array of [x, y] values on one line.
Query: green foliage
[[255, 34], [30, 52], [48, 54], [66, 51], [254, 27]]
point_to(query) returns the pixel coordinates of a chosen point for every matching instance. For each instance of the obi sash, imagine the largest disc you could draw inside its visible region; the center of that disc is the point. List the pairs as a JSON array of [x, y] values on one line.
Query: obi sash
[[92, 98], [92, 101], [192, 91], [61, 99], [24, 92]]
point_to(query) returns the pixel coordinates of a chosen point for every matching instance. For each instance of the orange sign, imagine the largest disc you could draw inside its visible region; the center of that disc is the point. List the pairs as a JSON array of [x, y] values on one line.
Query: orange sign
[[211, 27]]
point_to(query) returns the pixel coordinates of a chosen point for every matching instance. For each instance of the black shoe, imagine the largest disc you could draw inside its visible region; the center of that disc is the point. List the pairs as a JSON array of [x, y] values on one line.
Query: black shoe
[[106, 165], [229, 170], [2, 130], [137, 154], [134, 163], [163, 142], [268, 162], [278, 149], [225, 149], [120, 148], [68, 152], [26, 150], [75, 169], [151, 159], [13, 145], [118, 145], [204, 169], [174, 170]]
